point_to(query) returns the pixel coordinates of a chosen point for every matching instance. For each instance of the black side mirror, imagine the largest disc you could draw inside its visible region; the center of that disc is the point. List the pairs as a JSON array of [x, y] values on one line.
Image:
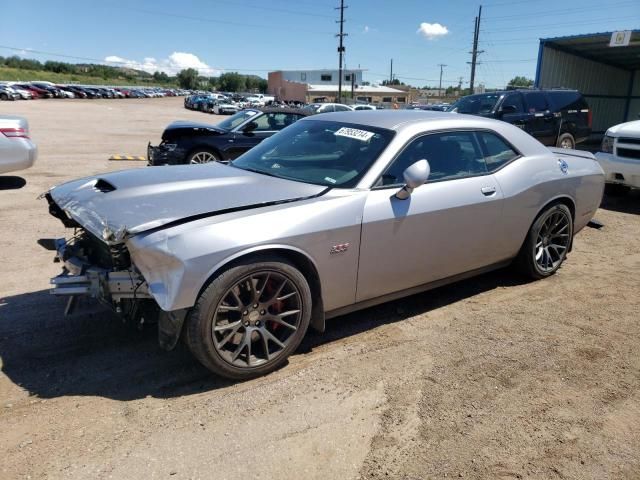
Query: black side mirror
[[508, 109], [250, 127]]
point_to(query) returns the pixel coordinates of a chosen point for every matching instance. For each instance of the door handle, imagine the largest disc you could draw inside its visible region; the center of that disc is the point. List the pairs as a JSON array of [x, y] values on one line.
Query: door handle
[[488, 191]]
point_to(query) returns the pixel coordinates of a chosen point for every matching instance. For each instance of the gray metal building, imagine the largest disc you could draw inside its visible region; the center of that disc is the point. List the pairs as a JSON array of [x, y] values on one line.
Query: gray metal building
[[605, 67]]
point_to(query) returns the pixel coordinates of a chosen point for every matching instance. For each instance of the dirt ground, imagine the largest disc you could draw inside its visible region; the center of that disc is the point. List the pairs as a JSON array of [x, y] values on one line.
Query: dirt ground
[[490, 378]]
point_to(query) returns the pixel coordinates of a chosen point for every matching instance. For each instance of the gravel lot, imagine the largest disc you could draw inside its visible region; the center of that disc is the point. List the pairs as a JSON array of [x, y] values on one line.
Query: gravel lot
[[490, 378]]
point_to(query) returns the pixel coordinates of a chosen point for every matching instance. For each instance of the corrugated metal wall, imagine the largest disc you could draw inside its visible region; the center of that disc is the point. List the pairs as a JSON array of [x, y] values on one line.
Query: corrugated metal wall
[[594, 80], [634, 106]]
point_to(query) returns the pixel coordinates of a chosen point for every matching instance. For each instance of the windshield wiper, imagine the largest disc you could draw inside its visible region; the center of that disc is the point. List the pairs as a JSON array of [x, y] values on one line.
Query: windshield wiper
[[255, 170]]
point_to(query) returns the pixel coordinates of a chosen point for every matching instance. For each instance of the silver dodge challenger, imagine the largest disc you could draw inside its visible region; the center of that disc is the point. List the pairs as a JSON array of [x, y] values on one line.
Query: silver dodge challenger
[[335, 213]]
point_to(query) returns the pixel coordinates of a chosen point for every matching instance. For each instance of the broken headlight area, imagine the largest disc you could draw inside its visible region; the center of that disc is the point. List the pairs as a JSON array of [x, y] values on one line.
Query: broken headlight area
[[92, 268]]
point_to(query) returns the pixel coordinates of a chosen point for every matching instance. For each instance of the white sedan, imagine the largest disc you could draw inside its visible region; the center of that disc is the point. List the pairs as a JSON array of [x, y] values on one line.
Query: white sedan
[[620, 156], [17, 151]]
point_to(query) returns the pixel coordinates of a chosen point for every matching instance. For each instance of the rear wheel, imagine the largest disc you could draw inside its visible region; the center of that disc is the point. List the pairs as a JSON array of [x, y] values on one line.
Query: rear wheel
[[547, 243], [566, 140], [250, 319], [203, 155]]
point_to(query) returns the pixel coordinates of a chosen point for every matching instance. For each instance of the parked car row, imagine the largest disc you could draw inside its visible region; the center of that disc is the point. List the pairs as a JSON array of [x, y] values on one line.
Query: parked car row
[[226, 103], [42, 89]]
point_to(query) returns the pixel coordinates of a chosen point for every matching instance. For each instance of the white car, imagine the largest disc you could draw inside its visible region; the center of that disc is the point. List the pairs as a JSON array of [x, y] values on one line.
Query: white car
[[620, 155], [17, 151], [24, 94], [364, 107], [327, 107]]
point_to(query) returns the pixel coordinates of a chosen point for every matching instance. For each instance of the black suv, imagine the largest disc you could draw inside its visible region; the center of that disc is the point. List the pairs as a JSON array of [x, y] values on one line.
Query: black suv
[[559, 118]]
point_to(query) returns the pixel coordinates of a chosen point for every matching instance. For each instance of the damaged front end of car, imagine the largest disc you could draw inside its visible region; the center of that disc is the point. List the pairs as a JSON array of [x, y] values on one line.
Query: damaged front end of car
[[102, 269]]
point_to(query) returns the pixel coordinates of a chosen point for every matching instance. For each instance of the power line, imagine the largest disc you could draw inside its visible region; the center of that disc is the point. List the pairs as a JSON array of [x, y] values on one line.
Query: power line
[[223, 22], [274, 9], [548, 13], [554, 25]]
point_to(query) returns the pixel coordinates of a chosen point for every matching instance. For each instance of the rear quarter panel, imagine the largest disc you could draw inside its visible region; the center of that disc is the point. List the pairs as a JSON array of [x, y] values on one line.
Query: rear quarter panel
[[532, 182]]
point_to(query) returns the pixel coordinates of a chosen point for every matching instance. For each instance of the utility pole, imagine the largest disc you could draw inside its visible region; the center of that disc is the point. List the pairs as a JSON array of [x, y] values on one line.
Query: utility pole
[[475, 52], [341, 48], [353, 85], [391, 72], [441, 65]]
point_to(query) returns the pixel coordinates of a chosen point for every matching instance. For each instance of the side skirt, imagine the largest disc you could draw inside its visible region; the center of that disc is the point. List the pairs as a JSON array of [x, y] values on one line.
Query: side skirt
[[414, 290]]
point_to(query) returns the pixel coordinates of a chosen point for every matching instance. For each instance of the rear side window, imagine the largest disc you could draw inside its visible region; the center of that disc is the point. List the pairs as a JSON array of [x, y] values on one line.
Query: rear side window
[[515, 100], [340, 108], [536, 102], [496, 151], [567, 100]]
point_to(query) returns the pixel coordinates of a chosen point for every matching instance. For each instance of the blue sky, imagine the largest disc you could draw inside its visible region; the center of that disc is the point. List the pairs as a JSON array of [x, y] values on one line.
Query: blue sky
[[253, 36]]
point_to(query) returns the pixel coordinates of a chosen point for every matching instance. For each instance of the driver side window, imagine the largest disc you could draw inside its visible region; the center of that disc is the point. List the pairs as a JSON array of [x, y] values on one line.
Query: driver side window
[[450, 155], [271, 121]]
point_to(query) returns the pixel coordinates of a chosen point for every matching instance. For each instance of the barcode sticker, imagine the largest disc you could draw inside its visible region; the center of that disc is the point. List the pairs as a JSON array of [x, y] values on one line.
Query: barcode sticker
[[355, 133]]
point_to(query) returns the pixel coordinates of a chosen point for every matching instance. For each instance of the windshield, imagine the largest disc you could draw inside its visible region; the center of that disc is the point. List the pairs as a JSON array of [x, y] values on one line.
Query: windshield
[[476, 104], [234, 120], [333, 154]]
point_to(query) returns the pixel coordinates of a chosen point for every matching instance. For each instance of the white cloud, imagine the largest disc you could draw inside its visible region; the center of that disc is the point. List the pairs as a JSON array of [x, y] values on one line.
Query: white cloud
[[432, 30], [171, 65]]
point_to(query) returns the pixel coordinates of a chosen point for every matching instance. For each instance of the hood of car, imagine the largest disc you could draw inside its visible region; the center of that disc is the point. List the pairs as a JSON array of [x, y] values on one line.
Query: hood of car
[[196, 127], [628, 129], [114, 205]]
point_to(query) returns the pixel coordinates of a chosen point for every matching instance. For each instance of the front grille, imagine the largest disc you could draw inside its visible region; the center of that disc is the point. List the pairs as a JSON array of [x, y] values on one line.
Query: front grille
[[633, 141], [628, 153]]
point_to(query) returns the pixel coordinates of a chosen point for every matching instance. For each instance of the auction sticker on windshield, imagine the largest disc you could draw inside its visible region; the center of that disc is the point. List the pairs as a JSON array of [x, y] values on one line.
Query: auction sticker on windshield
[[355, 133]]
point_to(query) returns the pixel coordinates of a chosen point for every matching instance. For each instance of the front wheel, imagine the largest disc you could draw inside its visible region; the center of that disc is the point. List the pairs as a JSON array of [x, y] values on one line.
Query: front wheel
[[547, 242], [202, 156], [250, 319]]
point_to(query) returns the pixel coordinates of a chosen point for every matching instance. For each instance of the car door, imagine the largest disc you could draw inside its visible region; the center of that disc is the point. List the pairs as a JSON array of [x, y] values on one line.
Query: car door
[[446, 227], [541, 122], [266, 125], [512, 110]]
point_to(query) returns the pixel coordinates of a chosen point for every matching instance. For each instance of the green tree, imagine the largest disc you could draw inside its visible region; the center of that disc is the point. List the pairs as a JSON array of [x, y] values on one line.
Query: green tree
[[188, 78], [160, 77], [520, 82], [232, 82]]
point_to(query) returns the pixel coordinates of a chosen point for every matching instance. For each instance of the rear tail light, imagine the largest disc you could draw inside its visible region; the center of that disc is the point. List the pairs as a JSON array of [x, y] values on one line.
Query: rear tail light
[[590, 118], [15, 132]]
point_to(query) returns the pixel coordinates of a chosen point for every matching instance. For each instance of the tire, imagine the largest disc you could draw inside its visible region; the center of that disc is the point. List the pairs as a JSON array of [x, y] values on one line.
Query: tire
[[547, 243], [202, 155], [228, 301], [4, 96], [566, 140], [616, 190]]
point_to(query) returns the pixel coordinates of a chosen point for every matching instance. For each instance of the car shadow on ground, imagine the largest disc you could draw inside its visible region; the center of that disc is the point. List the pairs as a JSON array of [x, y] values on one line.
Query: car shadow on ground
[[12, 183], [92, 353], [628, 203]]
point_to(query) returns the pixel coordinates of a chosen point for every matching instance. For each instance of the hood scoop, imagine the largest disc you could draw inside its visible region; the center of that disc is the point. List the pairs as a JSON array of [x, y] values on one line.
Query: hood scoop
[[103, 186]]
